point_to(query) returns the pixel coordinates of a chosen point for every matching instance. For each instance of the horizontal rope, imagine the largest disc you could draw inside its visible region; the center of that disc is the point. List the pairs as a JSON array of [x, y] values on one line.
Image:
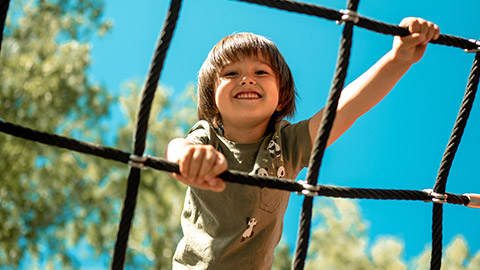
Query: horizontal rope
[[229, 176], [373, 25]]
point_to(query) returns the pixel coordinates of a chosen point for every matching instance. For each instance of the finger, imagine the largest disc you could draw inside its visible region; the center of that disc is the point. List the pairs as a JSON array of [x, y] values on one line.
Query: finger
[[208, 185], [191, 182], [219, 167], [430, 31], [437, 32], [406, 22], [196, 163], [413, 40], [208, 162], [185, 161], [202, 185], [182, 179], [414, 26], [423, 26], [217, 184]]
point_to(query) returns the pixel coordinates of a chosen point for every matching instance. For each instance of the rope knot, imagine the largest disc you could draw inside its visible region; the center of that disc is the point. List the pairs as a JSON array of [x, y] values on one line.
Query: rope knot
[[138, 161], [348, 16], [308, 190], [475, 50], [436, 197]]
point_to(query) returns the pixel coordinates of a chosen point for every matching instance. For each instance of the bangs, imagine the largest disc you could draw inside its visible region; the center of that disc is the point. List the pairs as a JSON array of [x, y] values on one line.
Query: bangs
[[240, 46]]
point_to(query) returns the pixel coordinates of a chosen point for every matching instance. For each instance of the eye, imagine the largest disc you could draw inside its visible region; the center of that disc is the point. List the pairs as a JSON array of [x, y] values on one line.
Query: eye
[[261, 72], [230, 74]]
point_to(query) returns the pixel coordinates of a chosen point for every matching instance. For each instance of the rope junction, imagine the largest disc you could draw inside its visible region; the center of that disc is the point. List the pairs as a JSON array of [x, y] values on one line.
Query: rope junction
[[309, 188]]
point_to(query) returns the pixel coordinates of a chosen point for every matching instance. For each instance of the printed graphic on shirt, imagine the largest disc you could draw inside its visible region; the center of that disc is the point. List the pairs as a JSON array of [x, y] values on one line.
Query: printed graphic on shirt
[[248, 233], [273, 166], [281, 172], [262, 171], [274, 148]]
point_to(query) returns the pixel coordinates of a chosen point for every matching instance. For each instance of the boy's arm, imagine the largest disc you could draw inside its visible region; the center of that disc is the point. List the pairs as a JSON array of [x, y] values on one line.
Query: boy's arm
[[199, 164], [365, 92]]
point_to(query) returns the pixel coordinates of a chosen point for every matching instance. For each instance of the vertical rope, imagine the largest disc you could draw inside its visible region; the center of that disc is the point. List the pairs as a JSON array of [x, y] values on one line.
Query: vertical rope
[[3, 18], [447, 160], [322, 138], [148, 94]]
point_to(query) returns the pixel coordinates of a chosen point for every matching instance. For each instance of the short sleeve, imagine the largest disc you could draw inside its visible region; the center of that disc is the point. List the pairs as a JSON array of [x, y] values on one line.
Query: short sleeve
[[199, 133], [296, 143]]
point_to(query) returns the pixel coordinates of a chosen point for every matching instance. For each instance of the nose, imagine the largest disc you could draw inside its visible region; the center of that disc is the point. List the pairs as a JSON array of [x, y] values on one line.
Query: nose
[[247, 80]]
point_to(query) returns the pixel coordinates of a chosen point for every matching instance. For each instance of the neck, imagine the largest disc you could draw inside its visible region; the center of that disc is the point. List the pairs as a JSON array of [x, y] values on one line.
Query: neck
[[244, 134]]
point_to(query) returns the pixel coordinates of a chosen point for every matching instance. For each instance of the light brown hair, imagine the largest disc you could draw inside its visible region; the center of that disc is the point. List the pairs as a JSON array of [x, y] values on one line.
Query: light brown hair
[[230, 49]]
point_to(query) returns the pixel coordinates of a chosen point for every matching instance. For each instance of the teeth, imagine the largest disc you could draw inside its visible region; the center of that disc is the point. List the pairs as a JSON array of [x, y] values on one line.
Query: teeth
[[248, 95]]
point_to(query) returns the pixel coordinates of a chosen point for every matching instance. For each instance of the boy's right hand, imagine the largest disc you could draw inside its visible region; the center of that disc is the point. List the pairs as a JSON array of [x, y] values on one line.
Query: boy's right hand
[[411, 48], [200, 165]]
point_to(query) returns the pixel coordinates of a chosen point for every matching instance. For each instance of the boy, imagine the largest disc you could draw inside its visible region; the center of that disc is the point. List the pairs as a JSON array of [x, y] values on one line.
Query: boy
[[245, 90]]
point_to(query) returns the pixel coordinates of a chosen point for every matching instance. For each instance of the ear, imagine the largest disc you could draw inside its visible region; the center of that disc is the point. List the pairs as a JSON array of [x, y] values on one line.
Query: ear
[[279, 107]]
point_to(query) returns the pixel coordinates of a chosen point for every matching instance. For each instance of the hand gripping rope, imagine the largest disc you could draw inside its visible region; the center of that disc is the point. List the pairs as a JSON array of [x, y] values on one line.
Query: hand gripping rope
[[309, 188]]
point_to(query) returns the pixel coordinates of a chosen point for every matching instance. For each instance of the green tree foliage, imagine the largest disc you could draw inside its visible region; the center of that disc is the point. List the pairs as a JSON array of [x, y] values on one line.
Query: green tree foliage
[[283, 258], [340, 241], [51, 199], [456, 257]]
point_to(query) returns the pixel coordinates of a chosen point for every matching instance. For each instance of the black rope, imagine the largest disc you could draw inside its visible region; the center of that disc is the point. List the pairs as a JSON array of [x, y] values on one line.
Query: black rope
[[447, 160], [310, 189], [64, 142], [141, 132], [372, 25], [322, 138], [3, 18], [232, 176], [459, 126]]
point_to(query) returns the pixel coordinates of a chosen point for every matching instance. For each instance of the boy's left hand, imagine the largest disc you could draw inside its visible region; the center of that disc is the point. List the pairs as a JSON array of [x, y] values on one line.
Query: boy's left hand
[[411, 48]]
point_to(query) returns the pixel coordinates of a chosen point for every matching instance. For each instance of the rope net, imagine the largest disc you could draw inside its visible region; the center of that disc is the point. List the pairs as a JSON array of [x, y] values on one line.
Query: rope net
[[309, 188]]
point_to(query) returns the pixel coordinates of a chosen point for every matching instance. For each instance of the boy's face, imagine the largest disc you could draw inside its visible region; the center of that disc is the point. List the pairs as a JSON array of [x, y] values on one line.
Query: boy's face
[[247, 92]]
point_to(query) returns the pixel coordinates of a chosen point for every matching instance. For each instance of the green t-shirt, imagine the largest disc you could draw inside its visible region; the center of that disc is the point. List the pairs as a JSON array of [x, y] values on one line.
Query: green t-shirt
[[240, 227]]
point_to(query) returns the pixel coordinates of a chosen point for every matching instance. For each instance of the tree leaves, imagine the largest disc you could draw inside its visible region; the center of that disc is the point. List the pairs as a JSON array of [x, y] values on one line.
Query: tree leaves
[[340, 240], [52, 200]]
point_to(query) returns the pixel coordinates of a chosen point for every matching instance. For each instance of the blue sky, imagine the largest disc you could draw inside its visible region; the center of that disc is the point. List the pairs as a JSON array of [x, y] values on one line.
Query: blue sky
[[397, 145]]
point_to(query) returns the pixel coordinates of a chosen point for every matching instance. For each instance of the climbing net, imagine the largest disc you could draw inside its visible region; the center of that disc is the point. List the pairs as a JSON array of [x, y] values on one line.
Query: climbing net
[[309, 188]]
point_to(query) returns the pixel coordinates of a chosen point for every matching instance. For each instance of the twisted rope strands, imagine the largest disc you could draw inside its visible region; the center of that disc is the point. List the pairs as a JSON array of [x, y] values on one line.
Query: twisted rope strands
[[390, 29], [456, 199], [162, 164], [141, 132], [126, 220], [437, 237], [64, 142], [3, 18], [459, 126], [447, 160], [322, 138], [373, 25], [298, 7], [156, 67]]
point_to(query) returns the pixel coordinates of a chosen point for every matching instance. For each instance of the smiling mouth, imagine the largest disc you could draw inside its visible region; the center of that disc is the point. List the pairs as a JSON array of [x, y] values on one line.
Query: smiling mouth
[[248, 95]]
